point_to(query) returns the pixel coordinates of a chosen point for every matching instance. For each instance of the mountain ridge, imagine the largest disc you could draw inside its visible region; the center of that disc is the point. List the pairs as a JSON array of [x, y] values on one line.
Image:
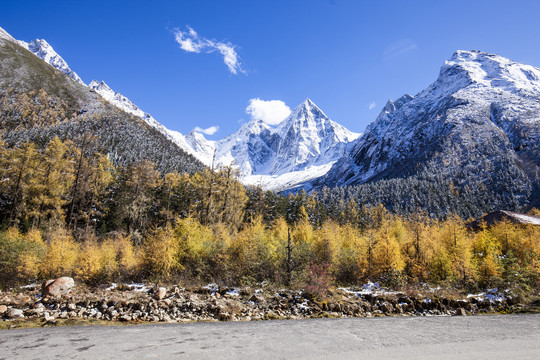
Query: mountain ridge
[[479, 121], [63, 107], [306, 140], [299, 148]]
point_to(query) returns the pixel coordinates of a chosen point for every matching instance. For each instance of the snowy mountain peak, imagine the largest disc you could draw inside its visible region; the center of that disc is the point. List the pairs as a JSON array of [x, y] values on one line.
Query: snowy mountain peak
[[6, 36], [197, 136], [307, 103], [201, 148], [481, 69], [301, 147], [389, 107], [306, 108], [99, 86], [43, 50]]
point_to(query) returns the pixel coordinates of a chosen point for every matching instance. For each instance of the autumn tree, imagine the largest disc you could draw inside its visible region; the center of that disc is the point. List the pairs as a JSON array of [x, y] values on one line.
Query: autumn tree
[[134, 195], [19, 165], [49, 193]]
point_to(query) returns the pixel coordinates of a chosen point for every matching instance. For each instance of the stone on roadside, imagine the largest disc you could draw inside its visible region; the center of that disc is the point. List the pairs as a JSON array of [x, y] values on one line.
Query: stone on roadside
[[57, 287], [13, 313], [48, 317], [3, 309], [125, 318], [257, 299], [160, 293]]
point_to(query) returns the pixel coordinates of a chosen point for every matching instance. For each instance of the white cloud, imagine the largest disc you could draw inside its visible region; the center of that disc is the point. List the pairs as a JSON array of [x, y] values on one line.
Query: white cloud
[[191, 41], [398, 49], [271, 112], [208, 131], [372, 105]]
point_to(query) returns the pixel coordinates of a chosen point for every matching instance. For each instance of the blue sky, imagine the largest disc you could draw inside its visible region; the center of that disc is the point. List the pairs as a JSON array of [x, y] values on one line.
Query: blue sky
[[349, 57]]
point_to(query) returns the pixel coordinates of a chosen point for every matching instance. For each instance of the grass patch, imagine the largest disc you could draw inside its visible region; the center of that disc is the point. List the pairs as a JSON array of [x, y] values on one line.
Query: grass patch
[[38, 323]]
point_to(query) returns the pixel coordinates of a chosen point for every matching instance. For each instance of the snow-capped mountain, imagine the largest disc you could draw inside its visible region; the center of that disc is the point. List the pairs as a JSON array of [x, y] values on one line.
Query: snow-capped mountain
[[202, 147], [194, 144], [6, 36], [300, 148], [123, 137], [480, 120], [45, 52]]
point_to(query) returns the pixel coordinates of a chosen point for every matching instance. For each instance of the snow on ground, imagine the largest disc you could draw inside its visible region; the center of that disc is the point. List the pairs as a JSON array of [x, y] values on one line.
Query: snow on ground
[[287, 180], [212, 287], [233, 292], [528, 219], [139, 287], [369, 288], [492, 295]]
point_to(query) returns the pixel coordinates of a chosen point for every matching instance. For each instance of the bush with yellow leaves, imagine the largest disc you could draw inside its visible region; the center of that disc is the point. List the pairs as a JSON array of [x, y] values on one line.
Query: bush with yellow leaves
[[160, 254], [61, 256]]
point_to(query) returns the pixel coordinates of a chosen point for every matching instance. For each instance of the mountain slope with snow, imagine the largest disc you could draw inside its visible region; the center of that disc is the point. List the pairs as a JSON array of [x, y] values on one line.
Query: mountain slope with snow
[[45, 52], [300, 148], [72, 111], [194, 144], [479, 121]]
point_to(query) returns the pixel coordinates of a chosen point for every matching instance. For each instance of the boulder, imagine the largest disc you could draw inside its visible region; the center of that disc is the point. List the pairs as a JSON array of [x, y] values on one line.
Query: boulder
[[13, 313], [160, 293], [57, 287], [47, 316], [3, 309], [461, 312], [257, 299]]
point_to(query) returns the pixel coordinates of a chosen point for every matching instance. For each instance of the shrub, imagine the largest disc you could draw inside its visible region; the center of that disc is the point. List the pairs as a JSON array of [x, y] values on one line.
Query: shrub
[[160, 253], [61, 256]]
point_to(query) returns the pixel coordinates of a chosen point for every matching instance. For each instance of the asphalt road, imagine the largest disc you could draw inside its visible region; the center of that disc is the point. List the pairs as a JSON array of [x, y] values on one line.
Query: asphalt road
[[474, 337]]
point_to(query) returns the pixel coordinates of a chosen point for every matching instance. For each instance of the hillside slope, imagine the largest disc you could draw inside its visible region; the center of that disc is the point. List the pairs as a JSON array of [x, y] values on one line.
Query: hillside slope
[[478, 123], [39, 102]]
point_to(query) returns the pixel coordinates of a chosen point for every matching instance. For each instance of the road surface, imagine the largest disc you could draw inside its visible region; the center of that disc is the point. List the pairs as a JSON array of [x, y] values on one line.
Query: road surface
[[467, 337]]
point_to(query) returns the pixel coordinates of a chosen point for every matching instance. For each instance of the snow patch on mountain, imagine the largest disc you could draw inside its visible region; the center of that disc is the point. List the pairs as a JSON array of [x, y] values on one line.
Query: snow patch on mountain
[[194, 143], [287, 180], [43, 50], [6, 36]]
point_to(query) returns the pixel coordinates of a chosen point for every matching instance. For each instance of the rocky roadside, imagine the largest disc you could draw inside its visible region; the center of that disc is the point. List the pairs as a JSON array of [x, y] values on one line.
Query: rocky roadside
[[137, 303]]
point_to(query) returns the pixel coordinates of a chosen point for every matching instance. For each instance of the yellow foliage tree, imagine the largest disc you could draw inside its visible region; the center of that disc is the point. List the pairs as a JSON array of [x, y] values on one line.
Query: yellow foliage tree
[[486, 252], [387, 251], [160, 253], [61, 256], [457, 243]]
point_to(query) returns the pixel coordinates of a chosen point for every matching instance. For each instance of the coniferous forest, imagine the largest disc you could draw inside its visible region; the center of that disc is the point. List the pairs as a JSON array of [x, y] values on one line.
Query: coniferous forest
[[66, 211]]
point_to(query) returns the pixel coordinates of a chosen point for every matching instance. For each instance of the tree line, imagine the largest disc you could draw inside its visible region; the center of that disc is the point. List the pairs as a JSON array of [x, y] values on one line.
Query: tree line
[[67, 210]]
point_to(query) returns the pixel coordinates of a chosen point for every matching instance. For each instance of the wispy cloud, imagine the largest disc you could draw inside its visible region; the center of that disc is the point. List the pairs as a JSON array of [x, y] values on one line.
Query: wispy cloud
[[399, 48], [271, 112], [190, 41], [208, 131], [372, 105]]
